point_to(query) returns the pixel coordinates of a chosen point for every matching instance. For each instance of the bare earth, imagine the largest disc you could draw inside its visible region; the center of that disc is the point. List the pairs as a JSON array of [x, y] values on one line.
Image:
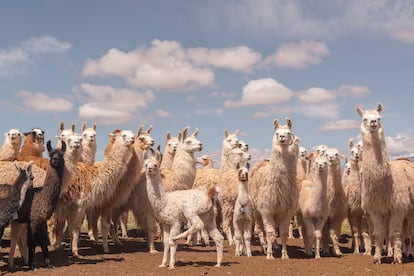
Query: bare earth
[[133, 258]]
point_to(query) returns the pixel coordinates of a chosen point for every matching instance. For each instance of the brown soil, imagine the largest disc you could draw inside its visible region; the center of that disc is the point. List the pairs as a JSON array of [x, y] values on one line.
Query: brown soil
[[133, 258]]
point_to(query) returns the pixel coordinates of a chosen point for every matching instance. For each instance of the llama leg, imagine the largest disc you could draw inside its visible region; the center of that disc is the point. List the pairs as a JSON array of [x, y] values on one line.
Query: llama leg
[[117, 218], [105, 227], [31, 248], [333, 233], [123, 221], [152, 228], [290, 236], [270, 229], [166, 237], [395, 228], [284, 229], [378, 234], [325, 238], [44, 242], [92, 217], [196, 225], [217, 237], [14, 236], [247, 235], [237, 236], [205, 237], [174, 231], [318, 237], [309, 236]]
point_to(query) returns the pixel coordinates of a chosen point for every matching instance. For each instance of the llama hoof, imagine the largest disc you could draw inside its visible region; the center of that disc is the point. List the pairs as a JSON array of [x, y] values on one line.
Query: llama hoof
[[217, 265], [153, 251], [162, 265], [171, 267]]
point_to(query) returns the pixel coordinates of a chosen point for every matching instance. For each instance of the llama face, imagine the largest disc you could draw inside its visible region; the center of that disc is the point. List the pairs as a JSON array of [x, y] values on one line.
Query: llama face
[[74, 141], [127, 136], [243, 146], [151, 165], [355, 153], [146, 141], [230, 141], [172, 145], [243, 173], [192, 144], [370, 119], [283, 135], [303, 152], [238, 156], [347, 168], [39, 135], [332, 155], [14, 136], [321, 163], [89, 135]]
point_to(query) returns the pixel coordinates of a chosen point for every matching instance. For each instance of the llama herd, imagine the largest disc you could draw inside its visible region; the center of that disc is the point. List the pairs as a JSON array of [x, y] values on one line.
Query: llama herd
[[168, 194]]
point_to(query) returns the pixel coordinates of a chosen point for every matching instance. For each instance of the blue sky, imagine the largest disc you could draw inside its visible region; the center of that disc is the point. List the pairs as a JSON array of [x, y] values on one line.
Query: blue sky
[[212, 65]]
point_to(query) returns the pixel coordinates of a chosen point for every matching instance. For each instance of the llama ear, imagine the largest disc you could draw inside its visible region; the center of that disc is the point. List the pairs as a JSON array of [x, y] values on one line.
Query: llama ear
[[248, 165], [275, 124], [73, 127], [63, 146], [149, 129], [185, 132], [61, 126], [195, 133], [351, 142], [168, 135], [226, 133], [180, 136], [159, 148], [33, 136], [139, 131], [16, 164], [49, 145], [238, 166], [289, 123], [379, 108], [359, 110], [83, 126], [237, 132], [94, 126]]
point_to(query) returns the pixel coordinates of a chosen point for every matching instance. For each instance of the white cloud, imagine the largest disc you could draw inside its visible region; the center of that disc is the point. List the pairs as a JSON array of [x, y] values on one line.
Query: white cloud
[[111, 105], [403, 35], [327, 110], [45, 44], [237, 59], [341, 125], [323, 20], [15, 61], [262, 92], [400, 145], [354, 91], [316, 95], [299, 55], [43, 103], [162, 113]]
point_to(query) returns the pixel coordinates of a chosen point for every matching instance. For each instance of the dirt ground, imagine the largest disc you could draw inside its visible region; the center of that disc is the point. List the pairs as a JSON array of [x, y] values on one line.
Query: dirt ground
[[133, 258]]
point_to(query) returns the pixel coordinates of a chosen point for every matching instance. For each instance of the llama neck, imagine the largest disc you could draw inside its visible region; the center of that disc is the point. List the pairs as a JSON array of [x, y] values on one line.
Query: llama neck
[[88, 153], [23, 190], [156, 193], [167, 160], [281, 162], [224, 163], [50, 191], [184, 168], [320, 180], [243, 193], [71, 158], [375, 149], [9, 150], [109, 173]]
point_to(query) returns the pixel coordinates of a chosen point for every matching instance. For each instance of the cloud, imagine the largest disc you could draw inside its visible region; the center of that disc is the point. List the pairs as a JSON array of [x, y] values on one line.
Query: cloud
[[403, 35], [322, 20], [15, 61], [237, 59], [400, 145], [354, 91], [162, 113], [327, 110], [45, 44], [315, 95], [43, 103], [341, 125], [298, 55], [262, 92], [109, 105]]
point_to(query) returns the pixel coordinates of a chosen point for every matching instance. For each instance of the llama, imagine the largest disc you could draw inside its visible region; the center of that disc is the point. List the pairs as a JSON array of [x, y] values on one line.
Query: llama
[[206, 161], [169, 152], [88, 144], [38, 207], [386, 194], [172, 208], [13, 196], [34, 144], [230, 141], [127, 188], [11, 145], [92, 187], [64, 133], [243, 213], [273, 188], [337, 205], [313, 206], [243, 145], [183, 170], [351, 182]]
